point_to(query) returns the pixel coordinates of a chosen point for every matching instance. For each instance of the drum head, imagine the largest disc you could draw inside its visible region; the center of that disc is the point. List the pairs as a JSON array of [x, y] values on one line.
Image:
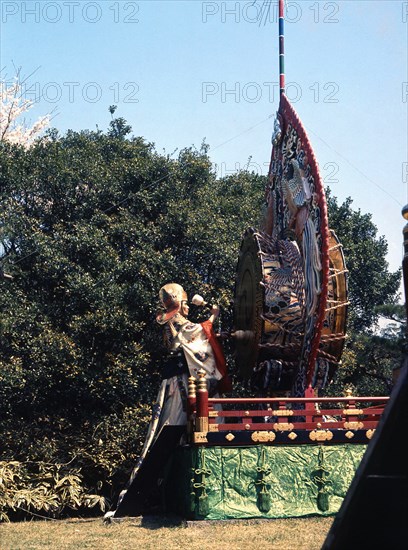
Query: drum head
[[248, 305], [268, 306]]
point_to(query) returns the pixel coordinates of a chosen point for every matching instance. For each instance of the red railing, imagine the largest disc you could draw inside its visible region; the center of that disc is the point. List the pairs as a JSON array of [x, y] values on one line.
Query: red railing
[[344, 417]]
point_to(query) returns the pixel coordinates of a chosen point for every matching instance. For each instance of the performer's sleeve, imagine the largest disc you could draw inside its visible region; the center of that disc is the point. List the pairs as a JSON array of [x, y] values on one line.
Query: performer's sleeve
[[224, 385]]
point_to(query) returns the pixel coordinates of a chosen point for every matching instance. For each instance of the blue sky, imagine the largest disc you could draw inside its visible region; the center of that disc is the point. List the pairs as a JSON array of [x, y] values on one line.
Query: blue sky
[[184, 71]]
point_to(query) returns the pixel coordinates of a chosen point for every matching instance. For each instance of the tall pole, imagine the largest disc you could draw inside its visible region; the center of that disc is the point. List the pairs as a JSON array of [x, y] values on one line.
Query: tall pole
[[281, 48], [405, 260]]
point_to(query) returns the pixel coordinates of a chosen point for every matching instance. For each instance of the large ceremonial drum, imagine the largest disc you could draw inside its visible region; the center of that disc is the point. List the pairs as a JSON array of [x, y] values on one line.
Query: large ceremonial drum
[[269, 313], [269, 308], [290, 299]]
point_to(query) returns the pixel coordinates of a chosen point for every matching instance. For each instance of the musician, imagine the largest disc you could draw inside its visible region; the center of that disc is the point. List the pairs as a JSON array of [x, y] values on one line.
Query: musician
[[190, 347]]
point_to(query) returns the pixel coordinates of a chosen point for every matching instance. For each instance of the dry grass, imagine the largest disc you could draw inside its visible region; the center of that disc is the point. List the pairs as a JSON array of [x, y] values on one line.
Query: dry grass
[[165, 534]]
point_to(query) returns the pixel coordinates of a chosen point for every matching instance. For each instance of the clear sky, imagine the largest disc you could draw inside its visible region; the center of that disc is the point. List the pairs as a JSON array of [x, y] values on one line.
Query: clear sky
[[181, 71]]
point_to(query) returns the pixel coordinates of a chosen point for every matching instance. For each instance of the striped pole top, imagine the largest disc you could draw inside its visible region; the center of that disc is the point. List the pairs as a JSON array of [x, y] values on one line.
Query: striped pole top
[[281, 48]]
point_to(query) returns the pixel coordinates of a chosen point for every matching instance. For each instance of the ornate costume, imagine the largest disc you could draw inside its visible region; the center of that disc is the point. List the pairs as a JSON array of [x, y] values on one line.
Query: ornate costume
[[191, 347]]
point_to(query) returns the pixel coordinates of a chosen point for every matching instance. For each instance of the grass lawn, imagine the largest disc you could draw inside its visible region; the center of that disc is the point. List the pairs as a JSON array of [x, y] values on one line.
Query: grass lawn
[[155, 533]]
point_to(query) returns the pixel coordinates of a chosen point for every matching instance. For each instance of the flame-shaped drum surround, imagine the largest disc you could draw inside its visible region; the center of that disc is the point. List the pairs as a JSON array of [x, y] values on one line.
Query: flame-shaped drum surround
[[291, 288]]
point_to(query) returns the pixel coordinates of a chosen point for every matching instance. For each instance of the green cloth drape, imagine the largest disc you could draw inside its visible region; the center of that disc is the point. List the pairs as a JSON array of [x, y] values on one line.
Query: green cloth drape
[[260, 481]]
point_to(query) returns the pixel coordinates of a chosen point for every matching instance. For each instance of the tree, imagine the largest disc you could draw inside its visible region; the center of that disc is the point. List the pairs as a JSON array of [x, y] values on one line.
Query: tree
[[13, 106], [94, 224], [370, 363]]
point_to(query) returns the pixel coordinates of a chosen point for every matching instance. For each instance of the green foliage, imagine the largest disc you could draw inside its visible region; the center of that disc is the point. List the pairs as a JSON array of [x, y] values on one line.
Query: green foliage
[[93, 225], [42, 489], [371, 361]]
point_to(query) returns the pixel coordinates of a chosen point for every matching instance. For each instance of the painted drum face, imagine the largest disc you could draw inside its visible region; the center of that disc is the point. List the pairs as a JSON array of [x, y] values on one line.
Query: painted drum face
[[269, 307]]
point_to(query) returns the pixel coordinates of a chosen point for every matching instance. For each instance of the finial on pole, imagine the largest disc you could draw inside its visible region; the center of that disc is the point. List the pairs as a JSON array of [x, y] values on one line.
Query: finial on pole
[[281, 48]]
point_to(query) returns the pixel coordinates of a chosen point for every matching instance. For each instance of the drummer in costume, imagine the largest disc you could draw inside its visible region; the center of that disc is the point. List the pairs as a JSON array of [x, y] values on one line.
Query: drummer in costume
[[190, 347]]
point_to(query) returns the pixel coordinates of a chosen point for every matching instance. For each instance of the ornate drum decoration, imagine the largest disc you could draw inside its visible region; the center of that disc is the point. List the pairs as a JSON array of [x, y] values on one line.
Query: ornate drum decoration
[[334, 326], [269, 306], [291, 288]]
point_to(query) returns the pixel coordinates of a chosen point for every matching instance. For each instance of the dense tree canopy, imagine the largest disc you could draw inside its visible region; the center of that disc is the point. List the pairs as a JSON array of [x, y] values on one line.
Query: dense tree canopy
[[92, 225]]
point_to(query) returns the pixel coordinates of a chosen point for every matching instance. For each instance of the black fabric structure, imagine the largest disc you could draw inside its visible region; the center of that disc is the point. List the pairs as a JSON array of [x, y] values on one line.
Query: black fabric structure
[[374, 513], [144, 493]]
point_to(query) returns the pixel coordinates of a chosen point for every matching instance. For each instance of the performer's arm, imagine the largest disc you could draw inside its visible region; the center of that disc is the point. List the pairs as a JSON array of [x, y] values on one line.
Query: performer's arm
[[215, 311]]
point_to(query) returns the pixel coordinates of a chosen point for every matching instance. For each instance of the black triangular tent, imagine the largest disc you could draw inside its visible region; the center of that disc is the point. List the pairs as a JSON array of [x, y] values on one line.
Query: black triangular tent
[[374, 513]]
